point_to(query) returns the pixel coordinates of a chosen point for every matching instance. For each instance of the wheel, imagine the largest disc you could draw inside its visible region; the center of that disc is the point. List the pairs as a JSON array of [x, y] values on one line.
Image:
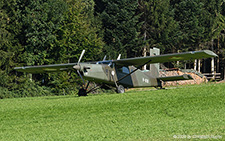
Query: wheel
[[120, 89], [82, 92]]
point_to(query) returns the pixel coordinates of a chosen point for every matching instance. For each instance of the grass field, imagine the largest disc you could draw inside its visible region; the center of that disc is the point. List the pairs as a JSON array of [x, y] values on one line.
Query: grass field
[[196, 111]]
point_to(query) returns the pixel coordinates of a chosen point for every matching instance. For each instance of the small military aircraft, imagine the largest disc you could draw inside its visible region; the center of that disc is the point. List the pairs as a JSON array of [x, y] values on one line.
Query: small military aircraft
[[121, 73]]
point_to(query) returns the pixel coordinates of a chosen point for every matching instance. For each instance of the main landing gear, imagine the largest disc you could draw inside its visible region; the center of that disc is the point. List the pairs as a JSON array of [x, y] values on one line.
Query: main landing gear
[[120, 89], [82, 92]]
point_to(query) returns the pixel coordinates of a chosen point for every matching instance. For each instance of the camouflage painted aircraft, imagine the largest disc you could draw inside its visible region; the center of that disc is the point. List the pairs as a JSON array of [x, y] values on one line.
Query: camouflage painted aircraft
[[122, 73]]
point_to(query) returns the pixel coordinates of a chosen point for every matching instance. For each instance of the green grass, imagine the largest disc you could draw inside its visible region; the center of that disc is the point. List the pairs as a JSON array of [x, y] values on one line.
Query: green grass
[[135, 115]]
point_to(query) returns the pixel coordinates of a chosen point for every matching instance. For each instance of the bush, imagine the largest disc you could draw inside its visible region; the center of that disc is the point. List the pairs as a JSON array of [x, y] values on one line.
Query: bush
[[5, 93]]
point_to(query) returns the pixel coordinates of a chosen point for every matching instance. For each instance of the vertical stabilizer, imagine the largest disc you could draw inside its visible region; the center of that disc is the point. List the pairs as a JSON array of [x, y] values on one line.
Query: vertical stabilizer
[[154, 68]]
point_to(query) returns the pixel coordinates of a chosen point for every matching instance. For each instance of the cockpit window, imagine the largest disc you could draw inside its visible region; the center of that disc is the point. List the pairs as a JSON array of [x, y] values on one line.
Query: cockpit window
[[105, 62], [123, 69]]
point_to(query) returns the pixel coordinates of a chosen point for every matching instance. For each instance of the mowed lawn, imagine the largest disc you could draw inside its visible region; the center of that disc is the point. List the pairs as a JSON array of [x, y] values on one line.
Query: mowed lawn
[[187, 111]]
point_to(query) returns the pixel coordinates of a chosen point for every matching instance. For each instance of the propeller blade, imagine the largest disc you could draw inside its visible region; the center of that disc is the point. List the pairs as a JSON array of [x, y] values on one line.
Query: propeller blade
[[82, 54], [104, 58], [118, 58], [81, 76]]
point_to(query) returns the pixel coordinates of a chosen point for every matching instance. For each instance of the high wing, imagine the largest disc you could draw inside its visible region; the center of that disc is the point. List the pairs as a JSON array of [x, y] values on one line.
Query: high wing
[[46, 68], [166, 58], [138, 61], [50, 68]]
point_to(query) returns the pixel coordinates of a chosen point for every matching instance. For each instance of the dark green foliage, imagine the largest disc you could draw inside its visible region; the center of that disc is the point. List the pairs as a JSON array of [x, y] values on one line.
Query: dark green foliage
[[41, 21], [77, 33], [64, 83], [41, 32], [191, 17], [38, 32], [10, 48], [121, 25], [159, 28], [30, 89]]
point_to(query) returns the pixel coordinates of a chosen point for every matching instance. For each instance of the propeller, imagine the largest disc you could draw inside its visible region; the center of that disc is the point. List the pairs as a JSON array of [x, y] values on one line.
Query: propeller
[[78, 67]]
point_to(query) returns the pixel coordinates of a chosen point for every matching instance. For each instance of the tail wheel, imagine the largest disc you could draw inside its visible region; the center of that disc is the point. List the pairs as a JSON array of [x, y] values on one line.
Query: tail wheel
[[120, 89]]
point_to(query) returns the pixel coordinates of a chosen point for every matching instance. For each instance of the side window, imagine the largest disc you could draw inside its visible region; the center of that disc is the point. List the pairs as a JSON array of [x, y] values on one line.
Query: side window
[[125, 70]]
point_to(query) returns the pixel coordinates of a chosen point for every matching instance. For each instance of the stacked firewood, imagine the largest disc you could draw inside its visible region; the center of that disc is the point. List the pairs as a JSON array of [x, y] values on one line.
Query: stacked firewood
[[197, 79]]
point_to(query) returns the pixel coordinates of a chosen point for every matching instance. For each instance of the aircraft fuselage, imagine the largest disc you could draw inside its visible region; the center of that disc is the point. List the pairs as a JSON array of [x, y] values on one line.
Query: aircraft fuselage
[[108, 73]]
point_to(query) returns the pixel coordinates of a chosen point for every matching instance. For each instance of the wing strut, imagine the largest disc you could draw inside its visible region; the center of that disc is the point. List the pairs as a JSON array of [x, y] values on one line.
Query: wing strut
[[133, 71]]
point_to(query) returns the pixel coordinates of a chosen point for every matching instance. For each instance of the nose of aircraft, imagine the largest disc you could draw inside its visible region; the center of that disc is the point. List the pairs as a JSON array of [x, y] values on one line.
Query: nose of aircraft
[[77, 67]]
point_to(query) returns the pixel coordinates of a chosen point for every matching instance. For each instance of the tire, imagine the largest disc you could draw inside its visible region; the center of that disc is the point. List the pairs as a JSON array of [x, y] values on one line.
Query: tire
[[82, 92], [120, 89]]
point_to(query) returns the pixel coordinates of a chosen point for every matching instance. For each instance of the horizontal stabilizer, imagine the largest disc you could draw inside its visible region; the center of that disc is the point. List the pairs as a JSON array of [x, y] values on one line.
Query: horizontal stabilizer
[[176, 78]]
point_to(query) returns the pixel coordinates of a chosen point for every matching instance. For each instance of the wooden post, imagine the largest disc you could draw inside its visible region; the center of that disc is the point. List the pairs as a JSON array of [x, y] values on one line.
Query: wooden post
[[212, 64], [213, 68], [178, 62], [145, 54], [145, 50], [199, 65], [218, 60], [195, 64]]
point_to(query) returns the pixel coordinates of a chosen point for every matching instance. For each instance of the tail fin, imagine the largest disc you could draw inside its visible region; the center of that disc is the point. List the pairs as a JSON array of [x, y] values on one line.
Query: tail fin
[[154, 68]]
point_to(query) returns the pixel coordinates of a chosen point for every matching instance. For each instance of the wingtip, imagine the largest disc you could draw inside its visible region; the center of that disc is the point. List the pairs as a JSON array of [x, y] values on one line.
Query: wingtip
[[209, 52], [18, 68]]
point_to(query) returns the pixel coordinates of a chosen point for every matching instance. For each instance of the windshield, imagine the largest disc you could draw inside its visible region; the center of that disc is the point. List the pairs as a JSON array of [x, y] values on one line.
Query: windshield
[[104, 62]]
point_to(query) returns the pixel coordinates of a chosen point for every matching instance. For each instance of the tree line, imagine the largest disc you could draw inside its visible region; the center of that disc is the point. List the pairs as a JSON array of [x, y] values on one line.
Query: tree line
[[39, 32]]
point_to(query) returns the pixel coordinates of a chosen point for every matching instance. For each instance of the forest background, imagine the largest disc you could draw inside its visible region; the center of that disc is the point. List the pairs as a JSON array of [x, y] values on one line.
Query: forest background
[[40, 32]]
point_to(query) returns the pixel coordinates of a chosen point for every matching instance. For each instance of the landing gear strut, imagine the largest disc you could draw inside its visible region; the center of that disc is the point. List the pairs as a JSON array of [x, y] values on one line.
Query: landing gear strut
[[120, 89], [83, 91]]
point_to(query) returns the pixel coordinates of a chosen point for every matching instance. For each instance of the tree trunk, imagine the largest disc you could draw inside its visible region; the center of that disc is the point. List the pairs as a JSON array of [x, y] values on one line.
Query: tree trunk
[[223, 69], [178, 62]]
